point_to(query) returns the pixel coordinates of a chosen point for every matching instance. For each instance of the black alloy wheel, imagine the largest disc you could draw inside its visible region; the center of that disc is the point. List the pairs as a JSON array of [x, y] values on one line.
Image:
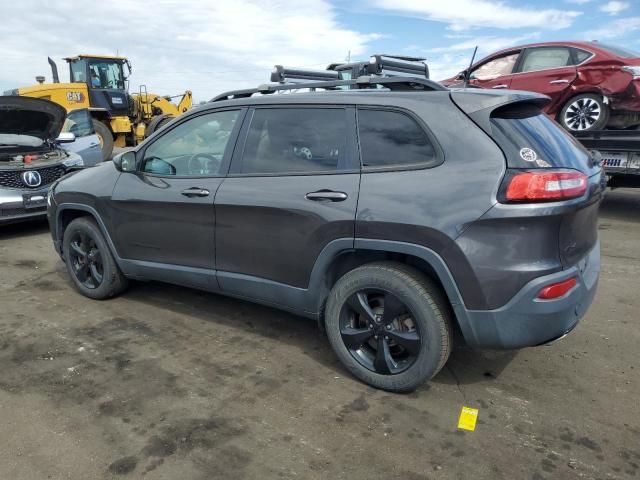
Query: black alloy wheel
[[86, 260], [379, 331]]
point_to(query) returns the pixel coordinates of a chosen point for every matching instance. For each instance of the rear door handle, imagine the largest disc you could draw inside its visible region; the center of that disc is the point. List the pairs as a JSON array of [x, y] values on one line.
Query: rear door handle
[[195, 192], [502, 85], [323, 195], [555, 82]]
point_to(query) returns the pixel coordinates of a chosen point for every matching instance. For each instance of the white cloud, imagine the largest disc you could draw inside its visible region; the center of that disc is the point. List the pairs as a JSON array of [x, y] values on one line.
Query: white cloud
[[487, 44], [615, 29], [208, 47], [464, 14], [614, 7]]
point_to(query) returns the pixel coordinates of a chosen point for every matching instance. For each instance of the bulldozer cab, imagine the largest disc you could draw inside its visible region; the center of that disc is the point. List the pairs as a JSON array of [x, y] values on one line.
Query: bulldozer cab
[[105, 79]]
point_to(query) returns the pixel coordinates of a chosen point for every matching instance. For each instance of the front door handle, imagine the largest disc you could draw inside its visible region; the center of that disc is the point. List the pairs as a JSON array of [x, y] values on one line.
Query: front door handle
[[323, 195], [555, 82], [502, 85], [195, 192]]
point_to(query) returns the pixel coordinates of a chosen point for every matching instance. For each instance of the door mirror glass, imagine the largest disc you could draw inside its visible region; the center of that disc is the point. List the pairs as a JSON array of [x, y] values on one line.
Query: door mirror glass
[[158, 166], [66, 137], [125, 162]]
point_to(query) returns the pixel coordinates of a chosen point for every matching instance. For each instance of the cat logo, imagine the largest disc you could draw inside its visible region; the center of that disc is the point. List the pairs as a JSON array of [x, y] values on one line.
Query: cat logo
[[75, 97]]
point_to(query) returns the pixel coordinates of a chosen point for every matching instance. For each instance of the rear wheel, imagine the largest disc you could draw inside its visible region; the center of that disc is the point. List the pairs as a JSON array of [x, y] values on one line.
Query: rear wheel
[[585, 112], [90, 264], [389, 325], [105, 137]]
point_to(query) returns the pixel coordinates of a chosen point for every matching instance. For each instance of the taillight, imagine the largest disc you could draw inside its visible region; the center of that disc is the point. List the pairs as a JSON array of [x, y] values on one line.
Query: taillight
[[543, 185], [633, 70], [557, 290]]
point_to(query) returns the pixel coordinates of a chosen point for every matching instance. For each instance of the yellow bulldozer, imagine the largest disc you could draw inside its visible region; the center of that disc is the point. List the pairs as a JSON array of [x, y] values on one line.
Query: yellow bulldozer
[[99, 83]]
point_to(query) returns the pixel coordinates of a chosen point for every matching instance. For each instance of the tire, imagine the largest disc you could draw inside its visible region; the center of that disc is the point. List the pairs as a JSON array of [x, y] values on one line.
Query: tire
[[157, 123], [106, 138], [584, 113], [96, 274], [425, 307]]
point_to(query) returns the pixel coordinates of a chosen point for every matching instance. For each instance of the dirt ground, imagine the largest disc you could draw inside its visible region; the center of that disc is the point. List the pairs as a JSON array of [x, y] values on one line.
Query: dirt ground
[[170, 383]]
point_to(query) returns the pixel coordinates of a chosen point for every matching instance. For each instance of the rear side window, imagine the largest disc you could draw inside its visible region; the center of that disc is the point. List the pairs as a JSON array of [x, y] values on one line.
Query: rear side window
[[296, 140], [543, 58], [581, 55], [393, 139], [530, 139]]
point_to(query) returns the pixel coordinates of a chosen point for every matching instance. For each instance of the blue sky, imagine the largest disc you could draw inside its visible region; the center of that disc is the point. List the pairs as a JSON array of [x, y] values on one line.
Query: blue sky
[[210, 47]]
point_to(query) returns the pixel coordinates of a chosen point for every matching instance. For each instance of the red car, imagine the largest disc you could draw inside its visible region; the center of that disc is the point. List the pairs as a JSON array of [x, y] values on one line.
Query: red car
[[592, 85]]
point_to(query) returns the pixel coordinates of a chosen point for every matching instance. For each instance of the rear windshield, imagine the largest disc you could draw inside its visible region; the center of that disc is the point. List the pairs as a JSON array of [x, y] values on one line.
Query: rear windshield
[[530, 139], [619, 51]]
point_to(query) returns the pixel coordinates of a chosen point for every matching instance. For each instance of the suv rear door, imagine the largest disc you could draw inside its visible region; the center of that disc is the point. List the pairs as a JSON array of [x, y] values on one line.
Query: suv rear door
[[546, 70], [292, 190]]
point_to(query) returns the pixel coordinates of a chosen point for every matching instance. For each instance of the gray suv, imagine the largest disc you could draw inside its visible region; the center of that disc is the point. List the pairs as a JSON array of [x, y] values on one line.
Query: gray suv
[[394, 216]]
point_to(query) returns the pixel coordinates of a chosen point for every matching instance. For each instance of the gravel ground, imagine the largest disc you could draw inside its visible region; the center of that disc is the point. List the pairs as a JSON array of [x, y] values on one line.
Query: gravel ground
[[165, 382]]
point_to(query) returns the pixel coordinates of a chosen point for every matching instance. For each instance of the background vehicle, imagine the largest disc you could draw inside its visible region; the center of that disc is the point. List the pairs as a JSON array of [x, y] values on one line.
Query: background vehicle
[[86, 143], [99, 82], [269, 199], [591, 85], [30, 157]]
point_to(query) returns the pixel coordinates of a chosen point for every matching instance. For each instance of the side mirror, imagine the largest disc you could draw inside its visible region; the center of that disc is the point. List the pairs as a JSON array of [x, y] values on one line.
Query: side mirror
[[66, 137], [126, 161], [461, 75]]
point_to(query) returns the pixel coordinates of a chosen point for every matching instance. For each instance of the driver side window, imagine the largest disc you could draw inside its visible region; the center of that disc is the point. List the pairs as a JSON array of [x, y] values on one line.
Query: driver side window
[[194, 148]]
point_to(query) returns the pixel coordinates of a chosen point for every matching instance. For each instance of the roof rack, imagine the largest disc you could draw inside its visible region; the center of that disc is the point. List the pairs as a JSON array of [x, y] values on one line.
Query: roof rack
[[402, 84], [382, 64], [379, 64], [282, 74]]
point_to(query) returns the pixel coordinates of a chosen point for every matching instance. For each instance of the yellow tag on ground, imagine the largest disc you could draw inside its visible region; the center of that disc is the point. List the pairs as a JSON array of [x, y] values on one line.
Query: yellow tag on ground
[[468, 418]]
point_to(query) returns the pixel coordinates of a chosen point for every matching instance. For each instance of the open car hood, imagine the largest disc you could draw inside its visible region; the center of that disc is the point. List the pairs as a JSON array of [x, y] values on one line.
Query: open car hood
[[35, 117]]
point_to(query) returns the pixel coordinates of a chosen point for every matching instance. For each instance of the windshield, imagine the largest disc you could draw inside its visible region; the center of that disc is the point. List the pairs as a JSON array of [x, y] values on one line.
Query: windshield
[[106, 74], [619, 51]]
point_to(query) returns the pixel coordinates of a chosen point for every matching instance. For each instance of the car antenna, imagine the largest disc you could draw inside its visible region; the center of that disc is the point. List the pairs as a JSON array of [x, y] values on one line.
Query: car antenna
[[468, 73]]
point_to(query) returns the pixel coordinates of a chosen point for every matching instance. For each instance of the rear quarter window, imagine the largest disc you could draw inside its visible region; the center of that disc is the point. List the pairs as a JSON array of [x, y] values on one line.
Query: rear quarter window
[[394, 139], [530, 139]]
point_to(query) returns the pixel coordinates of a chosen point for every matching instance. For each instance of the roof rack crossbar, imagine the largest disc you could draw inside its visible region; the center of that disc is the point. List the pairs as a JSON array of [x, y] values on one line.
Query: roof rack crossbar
[[392, 83], [281, 74]]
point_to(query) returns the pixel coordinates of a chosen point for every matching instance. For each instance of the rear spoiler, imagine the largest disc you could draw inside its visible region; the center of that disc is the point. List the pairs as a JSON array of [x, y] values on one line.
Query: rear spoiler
[[480, 104]]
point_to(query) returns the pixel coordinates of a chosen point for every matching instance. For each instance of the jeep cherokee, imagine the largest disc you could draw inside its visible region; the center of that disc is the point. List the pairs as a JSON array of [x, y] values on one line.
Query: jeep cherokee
[[393, 216]]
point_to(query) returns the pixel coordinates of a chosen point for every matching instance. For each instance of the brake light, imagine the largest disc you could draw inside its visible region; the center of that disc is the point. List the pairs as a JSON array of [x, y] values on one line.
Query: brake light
[[557, 290], [545, 185]]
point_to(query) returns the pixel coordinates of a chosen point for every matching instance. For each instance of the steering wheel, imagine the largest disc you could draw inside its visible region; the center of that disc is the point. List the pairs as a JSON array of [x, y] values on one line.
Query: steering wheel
[[203, 164]]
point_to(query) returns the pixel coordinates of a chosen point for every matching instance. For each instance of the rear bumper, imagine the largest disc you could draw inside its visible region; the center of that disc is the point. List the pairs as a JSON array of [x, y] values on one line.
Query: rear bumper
[[526, 321]]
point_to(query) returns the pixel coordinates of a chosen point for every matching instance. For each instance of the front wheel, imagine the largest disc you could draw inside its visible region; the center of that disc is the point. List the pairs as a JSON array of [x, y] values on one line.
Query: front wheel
[[390, 325], [584, 113], [90, 264]]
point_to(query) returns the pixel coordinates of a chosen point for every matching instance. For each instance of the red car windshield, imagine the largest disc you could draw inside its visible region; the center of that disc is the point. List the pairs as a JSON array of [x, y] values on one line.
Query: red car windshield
[[619, 51]]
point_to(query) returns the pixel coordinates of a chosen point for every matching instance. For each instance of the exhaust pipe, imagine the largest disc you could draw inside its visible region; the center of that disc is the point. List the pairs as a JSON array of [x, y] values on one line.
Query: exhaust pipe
[[54, 70]]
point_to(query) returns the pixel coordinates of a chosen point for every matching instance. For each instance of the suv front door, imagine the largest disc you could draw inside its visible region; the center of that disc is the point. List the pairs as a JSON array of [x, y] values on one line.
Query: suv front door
[[291, 191], [546, 70], [165, 209]]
